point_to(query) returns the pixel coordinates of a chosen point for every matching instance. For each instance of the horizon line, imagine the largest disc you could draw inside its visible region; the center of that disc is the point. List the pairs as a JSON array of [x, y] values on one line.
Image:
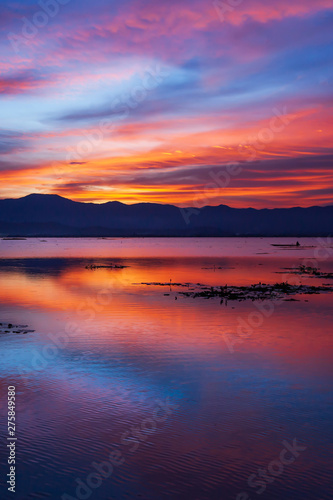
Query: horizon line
[[162, 204]]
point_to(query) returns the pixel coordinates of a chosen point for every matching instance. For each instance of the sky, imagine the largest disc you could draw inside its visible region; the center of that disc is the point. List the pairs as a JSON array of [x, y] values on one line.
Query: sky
[[190, 103]]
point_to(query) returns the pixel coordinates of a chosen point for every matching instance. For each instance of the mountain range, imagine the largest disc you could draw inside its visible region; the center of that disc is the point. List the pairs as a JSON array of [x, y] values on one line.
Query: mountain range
[[53, 215]]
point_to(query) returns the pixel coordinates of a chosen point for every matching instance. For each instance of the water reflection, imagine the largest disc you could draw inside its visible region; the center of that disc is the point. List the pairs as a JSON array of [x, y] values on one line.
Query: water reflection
[[106, 348]]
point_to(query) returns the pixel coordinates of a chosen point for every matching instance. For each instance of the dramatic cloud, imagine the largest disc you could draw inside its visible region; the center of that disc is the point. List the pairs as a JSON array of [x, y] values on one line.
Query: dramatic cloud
[[150, 100]]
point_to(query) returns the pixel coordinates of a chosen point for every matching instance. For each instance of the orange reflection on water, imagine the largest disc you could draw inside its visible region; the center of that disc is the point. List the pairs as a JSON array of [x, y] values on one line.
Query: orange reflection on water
[[115, 304]]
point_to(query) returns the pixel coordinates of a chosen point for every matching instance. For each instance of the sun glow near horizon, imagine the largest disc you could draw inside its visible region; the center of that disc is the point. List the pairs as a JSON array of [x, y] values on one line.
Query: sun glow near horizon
[[156, 104]]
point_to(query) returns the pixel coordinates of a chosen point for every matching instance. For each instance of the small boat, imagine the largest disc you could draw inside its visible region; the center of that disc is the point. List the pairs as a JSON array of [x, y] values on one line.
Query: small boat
[[285, 245], [292, 245]]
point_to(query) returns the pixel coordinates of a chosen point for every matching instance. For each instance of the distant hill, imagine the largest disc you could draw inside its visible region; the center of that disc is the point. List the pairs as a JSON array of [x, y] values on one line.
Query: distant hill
[[52, 215]]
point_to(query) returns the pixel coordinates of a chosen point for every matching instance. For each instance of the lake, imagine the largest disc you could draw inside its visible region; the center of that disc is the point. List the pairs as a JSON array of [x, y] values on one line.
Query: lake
[[129, 389]]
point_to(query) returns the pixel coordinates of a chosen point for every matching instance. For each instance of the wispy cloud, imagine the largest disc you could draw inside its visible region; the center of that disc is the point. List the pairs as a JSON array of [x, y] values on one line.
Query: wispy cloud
[[224, 81]]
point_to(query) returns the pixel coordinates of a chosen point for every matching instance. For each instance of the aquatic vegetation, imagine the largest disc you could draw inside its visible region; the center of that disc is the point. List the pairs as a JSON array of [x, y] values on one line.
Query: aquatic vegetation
[[112, 266], [10, 328], [258, 291], [309, 271]]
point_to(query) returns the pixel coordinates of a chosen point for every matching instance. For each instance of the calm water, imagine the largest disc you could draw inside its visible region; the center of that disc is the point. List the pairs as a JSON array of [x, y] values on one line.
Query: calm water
[[187, 407]]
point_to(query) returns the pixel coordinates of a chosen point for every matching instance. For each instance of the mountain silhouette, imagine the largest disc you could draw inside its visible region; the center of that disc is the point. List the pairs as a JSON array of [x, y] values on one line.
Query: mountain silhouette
[[53, 215]]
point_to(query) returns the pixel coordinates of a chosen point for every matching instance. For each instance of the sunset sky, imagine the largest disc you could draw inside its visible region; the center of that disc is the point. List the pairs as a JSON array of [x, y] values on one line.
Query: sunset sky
[[152, 101]]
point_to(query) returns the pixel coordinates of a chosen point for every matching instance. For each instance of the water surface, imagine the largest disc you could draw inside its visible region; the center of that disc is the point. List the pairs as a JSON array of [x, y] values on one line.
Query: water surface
[[109, 353]]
